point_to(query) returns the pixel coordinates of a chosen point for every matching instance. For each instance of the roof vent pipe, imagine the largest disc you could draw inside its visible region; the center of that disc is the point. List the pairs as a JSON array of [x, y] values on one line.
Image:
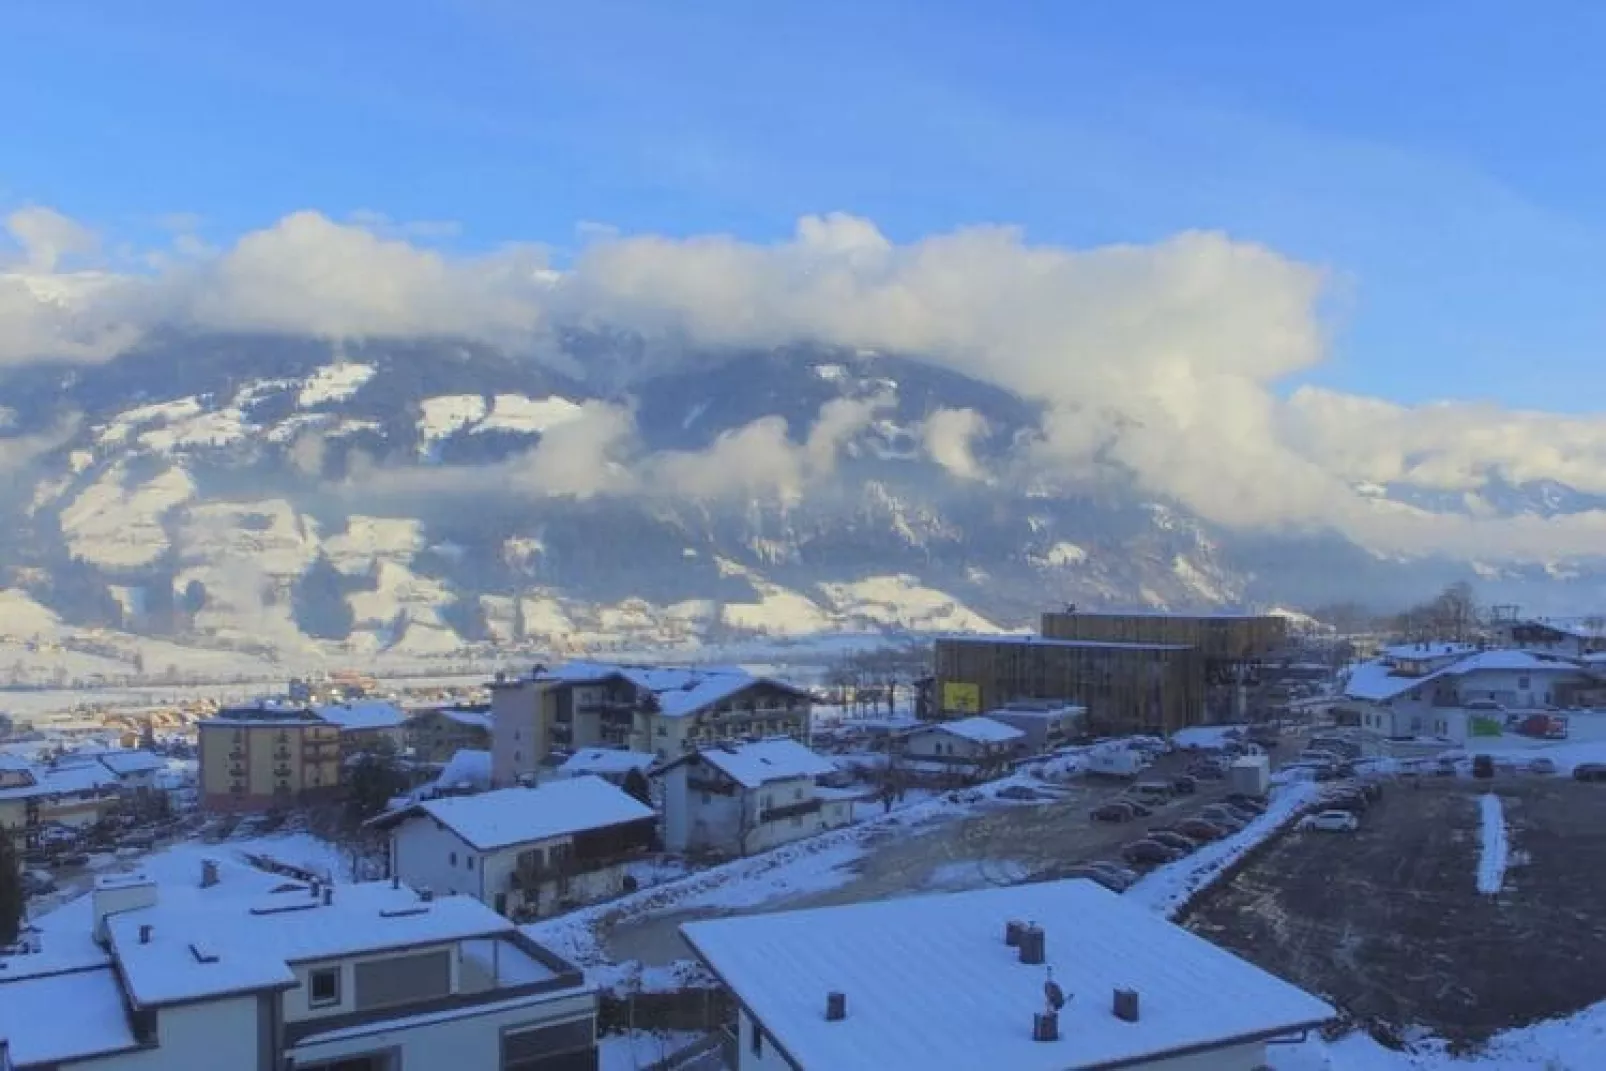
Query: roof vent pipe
[[1126, 1005], [328, 895], [1033, 945], [1045, 1026], [836, 1007], [145, 934], [1012, 932]]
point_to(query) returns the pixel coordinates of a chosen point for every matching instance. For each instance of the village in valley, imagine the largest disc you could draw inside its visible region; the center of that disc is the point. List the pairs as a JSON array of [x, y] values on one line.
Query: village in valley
[[1224, 841]]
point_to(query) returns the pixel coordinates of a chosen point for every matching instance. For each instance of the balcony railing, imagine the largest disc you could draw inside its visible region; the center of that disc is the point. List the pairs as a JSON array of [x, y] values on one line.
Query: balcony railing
[[790, 810]]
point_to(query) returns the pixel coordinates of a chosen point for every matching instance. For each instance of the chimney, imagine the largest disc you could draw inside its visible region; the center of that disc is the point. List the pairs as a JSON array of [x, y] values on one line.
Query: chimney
[[209, 876], [1033, 945], [328, 895], [1045, 1026], [395, 881], [1126, 1005], [1012, 932], [145, 934], [117, 893], [836, 1007]]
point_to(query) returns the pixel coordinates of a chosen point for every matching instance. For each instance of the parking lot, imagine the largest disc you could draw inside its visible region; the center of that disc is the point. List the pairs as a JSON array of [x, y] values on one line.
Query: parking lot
[[1004, 843], [1387, 922]]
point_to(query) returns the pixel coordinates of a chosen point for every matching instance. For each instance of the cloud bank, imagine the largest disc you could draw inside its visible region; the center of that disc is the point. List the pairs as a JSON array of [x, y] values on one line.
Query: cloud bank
[[1162, 363]]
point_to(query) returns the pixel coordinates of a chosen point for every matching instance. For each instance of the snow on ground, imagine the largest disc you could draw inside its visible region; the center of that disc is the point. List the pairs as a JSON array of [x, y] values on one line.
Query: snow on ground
[[1496, 848], [900, 601], [641, 1048], [334, 383], [1168, 889], [445, 415], [114, 524], [1206, 737]]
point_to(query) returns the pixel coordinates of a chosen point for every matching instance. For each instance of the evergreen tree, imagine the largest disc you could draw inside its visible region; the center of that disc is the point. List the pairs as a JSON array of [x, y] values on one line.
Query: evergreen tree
[[637, 785], [374, 778]]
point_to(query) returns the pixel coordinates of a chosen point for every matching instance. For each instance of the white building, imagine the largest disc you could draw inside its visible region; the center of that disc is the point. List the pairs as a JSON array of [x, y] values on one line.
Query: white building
[[1573, 637], [525, 852], [1046, 724], [929, 984], [736, 799], [242, 971], [1408, 694], [36, 795], [973, 747], [135, 770]]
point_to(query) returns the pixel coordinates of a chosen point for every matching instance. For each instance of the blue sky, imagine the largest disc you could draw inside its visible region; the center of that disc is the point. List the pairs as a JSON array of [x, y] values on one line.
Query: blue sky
[[1443, 161]]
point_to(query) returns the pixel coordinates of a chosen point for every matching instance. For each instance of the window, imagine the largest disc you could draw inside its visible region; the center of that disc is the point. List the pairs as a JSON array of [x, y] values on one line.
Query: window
[[453, 858], [323, 987], [757, 1039], [706, 798], [1522, 682], [468, 862]]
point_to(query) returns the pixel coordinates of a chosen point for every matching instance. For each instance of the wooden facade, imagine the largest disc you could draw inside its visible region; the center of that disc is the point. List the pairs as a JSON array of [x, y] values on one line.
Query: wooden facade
[[1126, 688], [1218, 637]]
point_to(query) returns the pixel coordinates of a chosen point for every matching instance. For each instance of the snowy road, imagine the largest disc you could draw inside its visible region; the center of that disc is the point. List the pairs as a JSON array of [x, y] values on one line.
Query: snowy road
[[1496, 850]]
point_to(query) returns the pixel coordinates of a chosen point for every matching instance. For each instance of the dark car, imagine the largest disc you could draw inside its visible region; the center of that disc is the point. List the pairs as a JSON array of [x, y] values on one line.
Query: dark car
[[1112, 876], [1185, 785], [1226, 820], [1247, 803], [1483, 766], [1149, 852], [1353, 802], [1590, 771], [1201, 830], [1172, 840], [1114, 812], [1139, 809], [1208, 771]]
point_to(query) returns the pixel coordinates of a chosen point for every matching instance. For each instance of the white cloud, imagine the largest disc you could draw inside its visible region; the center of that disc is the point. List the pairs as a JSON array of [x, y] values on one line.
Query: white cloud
[[948, 435], [1163, 362]]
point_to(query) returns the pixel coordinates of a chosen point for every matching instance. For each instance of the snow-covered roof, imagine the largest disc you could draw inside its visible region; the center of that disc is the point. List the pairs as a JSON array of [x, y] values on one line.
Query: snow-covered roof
[[512, 816], [1377, 680], [262, 712], [679, 691], [473, 718], [605, 760], [1418, 652], [1042, 712], [238, 944], [63, 781], [55, 1018], [931, 985], [1040, 641], [1592, 627], [124, 763], [759, 763], [979, 729], [467, 766], [362, 714]]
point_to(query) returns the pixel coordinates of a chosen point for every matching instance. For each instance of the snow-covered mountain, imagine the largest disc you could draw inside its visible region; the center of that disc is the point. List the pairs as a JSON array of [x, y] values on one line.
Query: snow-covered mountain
[[291, 498]]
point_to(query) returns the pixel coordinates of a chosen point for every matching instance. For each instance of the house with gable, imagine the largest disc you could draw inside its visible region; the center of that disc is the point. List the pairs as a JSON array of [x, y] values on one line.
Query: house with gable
[[524, 852], [737, 799], [972, 748], [656, 710]]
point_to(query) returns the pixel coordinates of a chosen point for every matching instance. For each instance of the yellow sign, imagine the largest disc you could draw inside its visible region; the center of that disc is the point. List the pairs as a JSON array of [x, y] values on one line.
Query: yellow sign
[[960, 698]]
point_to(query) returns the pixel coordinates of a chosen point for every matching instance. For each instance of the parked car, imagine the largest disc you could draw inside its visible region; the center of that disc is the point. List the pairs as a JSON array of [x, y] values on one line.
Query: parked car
[[1483, 766], [1117, 811], [1248, 803], [1353, 802], [1184, 785], [1542, 766], [1114, 878], [1332, 822], [1201, 830], [1149, 852], [37, 882], [1139, 808], [1590, 771], [1207, 771], [1172, 840]]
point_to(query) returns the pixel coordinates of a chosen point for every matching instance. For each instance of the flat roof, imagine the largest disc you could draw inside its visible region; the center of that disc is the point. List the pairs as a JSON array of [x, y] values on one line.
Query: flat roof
[[1163, 614], [244, 943], [931, 985], [1039, 641]]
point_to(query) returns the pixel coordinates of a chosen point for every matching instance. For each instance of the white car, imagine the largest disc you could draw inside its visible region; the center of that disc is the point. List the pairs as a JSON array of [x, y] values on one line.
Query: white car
[[1332, 822]]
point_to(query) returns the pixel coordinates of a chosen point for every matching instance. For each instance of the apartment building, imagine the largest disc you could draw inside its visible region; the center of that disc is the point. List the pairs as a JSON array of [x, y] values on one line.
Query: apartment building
[[267, 757], [661, 711], [1039, 977], [35, 796], [250, 972], [435, 735]]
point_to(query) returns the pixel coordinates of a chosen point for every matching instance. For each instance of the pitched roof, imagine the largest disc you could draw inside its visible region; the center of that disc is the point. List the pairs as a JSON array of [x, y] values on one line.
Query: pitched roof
[[511, 816], [362, 714], [680, 691], [981, 730], [606, 760], [131, 762], [470, 766], [931, 986], [55, 1018], [755, 764], [1377, 680]]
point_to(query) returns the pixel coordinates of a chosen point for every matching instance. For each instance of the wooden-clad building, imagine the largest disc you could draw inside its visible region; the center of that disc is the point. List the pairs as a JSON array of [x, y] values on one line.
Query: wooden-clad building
[[1125, 687], [1218, 637]]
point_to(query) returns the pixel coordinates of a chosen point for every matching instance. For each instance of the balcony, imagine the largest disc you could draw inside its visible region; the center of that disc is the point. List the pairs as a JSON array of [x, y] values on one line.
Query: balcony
[[704, 784], [790, 810]]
